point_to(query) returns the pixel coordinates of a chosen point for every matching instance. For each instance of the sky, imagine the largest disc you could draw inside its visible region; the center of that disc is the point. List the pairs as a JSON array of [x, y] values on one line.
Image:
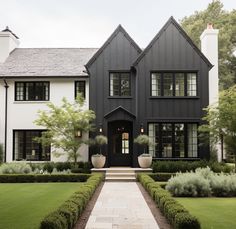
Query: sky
[[88, 23]]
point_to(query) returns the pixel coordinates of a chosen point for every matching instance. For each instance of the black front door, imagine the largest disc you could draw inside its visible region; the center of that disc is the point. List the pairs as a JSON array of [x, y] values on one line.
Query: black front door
[[120, 143]]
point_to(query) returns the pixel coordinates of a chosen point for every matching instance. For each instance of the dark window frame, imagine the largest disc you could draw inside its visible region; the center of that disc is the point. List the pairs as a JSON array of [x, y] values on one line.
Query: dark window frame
[[130, 86], [24, 90], [174, 84], [24, 145], [84, 84], [160, 143]]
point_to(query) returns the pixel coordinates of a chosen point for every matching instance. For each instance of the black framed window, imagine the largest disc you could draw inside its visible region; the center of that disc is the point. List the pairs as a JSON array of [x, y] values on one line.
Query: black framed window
[[26, 148], [32, 91], [173, 140], [80, 87], [178, 84], [120, 84]]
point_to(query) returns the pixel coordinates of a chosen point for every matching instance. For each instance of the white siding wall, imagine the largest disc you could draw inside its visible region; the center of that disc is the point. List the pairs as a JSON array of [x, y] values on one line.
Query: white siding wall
[[21, 114]]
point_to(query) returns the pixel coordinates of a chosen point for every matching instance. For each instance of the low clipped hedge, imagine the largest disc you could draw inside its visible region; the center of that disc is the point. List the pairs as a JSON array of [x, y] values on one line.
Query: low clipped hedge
[[68, 213], [176, 214], [31, 178], [161, 176]]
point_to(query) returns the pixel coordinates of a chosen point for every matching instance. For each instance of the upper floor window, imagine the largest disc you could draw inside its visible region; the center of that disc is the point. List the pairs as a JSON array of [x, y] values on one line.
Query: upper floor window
[[120, 84], [173, 84], [31, 91], [80, 88]]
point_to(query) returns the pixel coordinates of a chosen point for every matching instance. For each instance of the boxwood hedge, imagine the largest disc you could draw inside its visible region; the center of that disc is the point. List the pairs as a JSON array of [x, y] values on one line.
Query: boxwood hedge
[[176, 214]]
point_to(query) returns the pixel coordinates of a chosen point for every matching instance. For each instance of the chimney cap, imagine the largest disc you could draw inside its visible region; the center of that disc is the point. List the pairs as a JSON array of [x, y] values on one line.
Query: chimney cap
[[209, 26], [8, 30]]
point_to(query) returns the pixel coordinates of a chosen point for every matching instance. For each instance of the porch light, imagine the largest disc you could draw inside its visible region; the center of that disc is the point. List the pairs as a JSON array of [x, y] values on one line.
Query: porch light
[[100, 128], [141, 128], [78, 134]]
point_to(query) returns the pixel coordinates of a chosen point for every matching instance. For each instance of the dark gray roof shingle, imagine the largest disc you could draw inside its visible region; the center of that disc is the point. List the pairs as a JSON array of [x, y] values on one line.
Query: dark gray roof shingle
[[55, 62]]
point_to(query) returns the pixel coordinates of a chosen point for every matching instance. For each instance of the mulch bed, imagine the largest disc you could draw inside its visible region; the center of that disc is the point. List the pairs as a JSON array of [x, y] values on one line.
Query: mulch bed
[[160, 219], [81, 223]]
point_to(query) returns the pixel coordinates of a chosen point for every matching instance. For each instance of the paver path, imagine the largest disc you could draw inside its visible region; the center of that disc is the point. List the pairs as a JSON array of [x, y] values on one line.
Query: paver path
[[121, 205]]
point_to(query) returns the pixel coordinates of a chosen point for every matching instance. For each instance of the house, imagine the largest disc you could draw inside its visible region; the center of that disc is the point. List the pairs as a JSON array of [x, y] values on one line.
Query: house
[[160, 91]]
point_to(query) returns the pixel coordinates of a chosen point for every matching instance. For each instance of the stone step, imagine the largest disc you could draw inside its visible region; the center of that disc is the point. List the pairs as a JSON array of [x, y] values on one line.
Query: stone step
[[111, 174], [120, 171], [121, 178]]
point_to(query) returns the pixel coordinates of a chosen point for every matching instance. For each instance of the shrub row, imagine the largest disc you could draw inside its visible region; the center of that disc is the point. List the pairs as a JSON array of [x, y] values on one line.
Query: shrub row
[[161, 176], [30, 178], [183, 166], [175, 213], [69, 212], [202, 183]]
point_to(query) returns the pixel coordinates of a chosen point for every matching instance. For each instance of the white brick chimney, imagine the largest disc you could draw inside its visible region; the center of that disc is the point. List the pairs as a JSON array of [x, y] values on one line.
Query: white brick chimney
[[8, 42], [209, 47]]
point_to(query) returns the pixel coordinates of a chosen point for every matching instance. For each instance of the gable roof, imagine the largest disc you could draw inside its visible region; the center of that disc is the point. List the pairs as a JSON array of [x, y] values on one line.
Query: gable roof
[[46, 62], [185, 35], [122, 109], [113, 35]]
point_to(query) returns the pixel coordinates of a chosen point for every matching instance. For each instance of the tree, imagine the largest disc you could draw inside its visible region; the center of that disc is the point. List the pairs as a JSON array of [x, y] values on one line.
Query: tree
[[221, 120], [226, 23], [64, 126]]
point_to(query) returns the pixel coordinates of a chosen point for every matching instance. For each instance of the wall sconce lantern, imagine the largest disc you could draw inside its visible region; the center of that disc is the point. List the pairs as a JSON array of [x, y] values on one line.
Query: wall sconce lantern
[[141, 128], [100, 128], [78, 134]]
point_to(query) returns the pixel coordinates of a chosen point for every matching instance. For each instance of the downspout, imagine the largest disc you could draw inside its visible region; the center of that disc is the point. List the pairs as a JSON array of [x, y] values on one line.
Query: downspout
[[6, 100]]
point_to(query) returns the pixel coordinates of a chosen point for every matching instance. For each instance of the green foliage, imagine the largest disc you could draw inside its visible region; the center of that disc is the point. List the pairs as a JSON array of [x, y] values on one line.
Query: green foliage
[[101, 140], [221, 120], [225, 21], [183, 166], [15, 168], [202, 183], [62, 124], [144, 141], [161, 176], [175, 213], [68, 213], [31, 178]]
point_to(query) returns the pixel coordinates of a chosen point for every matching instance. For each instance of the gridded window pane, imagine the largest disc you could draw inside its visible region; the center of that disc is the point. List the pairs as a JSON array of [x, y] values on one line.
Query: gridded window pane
[[168, 84], [19, 91], [192, 140], [125, 143], [25, 147], [32, 91], [124, 84], [120, 84], [114, 84], [153, 133], [167, 140], [80, 88], [191, 84], [179, 140], [179, 84], [156, 84]]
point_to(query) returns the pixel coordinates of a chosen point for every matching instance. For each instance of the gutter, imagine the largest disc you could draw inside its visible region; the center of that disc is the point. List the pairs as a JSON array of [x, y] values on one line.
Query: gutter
[[6, 102]]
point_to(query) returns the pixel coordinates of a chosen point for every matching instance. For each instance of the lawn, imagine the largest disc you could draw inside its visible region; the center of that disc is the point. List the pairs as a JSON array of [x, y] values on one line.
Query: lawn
[[213, 213], [24, 205]]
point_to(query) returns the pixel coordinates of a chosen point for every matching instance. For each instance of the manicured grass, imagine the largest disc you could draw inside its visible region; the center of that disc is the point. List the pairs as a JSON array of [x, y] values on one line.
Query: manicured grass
[[213, 213], [25, 205]]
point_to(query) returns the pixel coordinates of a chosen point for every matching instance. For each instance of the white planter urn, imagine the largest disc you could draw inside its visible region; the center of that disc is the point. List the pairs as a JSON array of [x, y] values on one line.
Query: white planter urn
[[98, 161], [145, 161]]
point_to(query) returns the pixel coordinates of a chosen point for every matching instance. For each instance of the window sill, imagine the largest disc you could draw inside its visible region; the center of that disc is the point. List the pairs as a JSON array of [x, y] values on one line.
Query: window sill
[[174, 97], [177, 158], [120, 97], [30, 102]]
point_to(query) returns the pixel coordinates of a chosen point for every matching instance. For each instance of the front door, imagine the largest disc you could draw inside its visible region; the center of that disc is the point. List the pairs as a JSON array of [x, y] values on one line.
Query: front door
[[120, 143]]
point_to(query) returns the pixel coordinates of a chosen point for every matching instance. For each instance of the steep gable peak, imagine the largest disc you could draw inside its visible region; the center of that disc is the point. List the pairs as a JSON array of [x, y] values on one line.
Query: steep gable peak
[[172, 21], [108, 41]]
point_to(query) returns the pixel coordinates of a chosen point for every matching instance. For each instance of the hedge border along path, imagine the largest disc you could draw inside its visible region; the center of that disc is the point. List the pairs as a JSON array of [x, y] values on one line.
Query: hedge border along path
[[31, 178], [175, 213], [68, 213]]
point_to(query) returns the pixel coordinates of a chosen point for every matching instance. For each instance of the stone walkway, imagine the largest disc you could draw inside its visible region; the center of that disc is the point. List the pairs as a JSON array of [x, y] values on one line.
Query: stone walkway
[[121, 205]]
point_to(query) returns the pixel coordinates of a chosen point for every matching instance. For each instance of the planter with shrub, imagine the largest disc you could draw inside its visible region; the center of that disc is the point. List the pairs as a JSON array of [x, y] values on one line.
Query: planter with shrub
[[145, 159]]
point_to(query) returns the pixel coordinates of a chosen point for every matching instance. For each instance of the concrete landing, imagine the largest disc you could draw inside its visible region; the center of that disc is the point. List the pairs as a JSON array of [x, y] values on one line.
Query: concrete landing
[[121, 205]]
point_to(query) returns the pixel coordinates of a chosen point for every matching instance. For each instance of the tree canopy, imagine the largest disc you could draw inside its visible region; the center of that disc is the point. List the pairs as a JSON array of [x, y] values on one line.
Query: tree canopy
[[64, 124], [225, 21]]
